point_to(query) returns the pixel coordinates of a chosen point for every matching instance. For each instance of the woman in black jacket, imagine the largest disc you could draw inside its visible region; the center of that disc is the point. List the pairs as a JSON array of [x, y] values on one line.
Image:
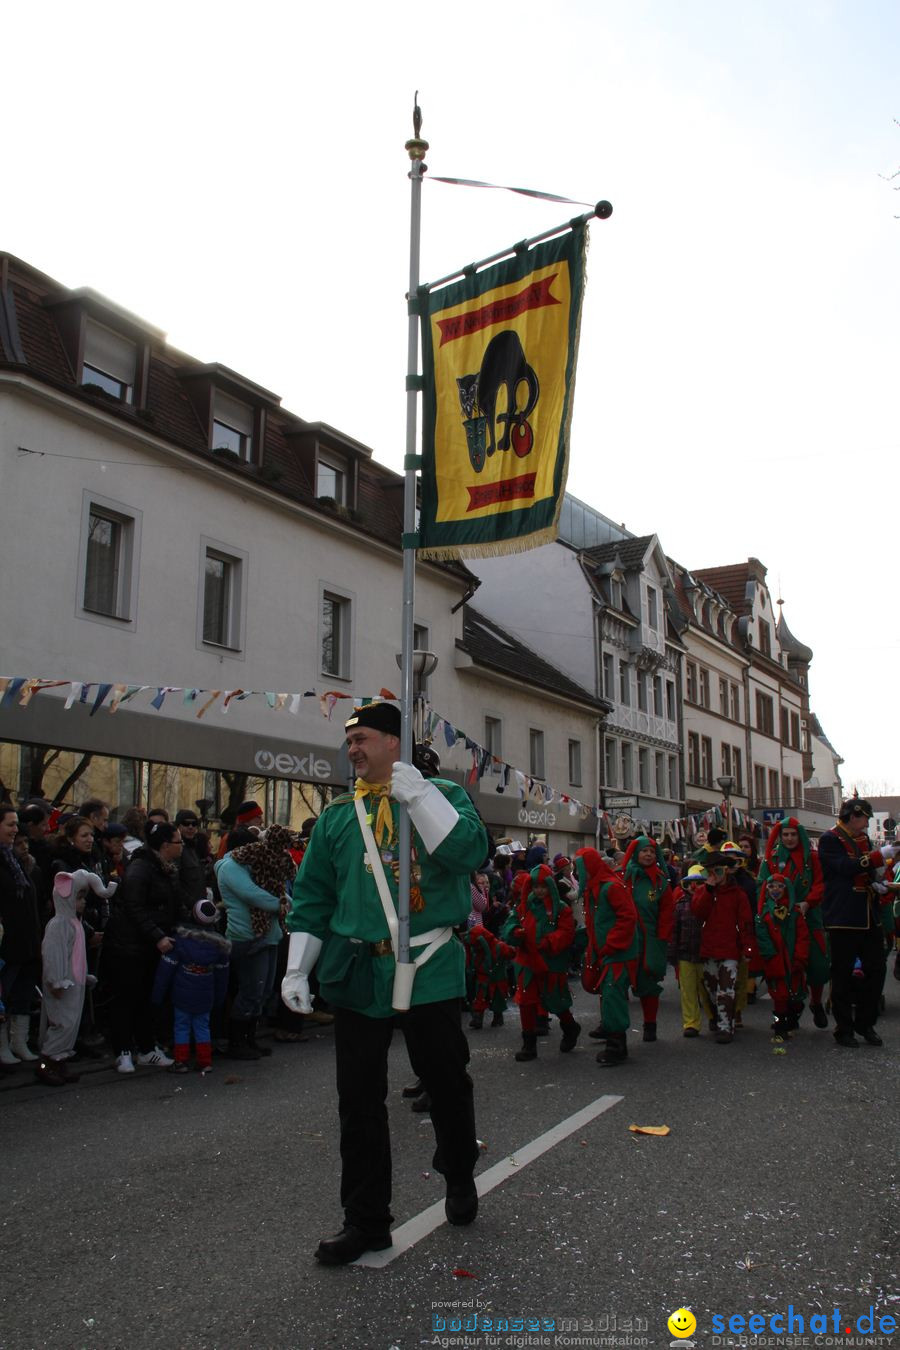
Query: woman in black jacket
[[20, 947], [145, 912]]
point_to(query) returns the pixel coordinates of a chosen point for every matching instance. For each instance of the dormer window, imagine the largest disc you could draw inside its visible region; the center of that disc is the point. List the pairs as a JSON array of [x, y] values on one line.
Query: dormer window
[[331, 477], [232, 427], [110, 361]]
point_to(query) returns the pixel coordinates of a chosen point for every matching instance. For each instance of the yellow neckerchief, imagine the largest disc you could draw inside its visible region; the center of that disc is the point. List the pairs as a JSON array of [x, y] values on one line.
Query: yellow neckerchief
[[383, 827]]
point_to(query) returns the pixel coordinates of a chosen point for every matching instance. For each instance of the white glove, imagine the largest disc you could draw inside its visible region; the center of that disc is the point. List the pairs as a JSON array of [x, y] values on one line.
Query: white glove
[[888, 852], [429, 810], [303, 953]]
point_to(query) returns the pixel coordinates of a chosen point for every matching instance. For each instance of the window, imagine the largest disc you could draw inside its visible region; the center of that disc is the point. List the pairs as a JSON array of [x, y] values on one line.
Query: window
[[536, 753], [759, 784], [692, 686], [615, 593], [493, 741], [765, 715], [575, 763], [670, 700], [773, 787], [109, 361], [785, 790], [283, 801], [706, 761], [657, 695], [643, 770], [693, 757], [331, 478], [735, 703], [704, 688], [232, 426], [660, 775], [795, 730], [608, 676], [652, 608], [726, 760], [798, 792], [126, 782], [612, 762], [765, 638], [785, 726], [627, 780], [642, 690], [109, 551], [673, 778], [624, 683], [723, 697], [737, 770], [335, 635], [222, 598]]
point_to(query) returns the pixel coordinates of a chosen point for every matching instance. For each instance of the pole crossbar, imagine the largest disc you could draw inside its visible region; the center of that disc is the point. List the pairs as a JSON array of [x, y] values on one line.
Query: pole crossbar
[[602, 211]]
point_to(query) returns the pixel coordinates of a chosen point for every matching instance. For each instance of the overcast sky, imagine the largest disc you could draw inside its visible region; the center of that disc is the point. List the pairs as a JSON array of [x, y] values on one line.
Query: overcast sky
[[236, 175]]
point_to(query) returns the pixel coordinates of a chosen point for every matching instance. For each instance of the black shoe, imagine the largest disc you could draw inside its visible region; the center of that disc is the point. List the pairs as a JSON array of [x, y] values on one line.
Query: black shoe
[[869, 1035], [543, 1026], [649, 1031], [616, 1051], [724, 1037], [846, 1039], [497, 1020], [820, 1016], [413, 1089], [690, 1031], [751, 996], [476, 1021], [239, 1046], [461, 1204], [570, 1035], [422, 1102], [349, 1244], [529, 1047], [599, 1033], [264, 1051]]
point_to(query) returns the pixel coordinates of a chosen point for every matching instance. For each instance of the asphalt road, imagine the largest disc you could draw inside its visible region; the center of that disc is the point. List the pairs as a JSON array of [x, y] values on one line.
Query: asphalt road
[[182, 1212]]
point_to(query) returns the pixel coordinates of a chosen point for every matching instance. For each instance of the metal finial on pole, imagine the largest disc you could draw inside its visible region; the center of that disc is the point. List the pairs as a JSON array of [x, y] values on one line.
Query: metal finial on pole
[[417, 148]]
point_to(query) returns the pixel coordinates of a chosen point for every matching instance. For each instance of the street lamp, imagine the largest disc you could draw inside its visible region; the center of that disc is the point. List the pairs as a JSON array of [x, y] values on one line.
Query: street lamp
[[423, 664], [726, 783]]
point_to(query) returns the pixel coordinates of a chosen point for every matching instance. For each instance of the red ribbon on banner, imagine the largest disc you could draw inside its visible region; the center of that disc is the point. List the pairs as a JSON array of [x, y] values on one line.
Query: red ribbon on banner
[[507, 490], [535, 295]]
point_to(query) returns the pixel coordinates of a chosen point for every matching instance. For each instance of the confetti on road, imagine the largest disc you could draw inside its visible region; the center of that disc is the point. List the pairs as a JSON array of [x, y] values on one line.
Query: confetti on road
[[649, 1129]]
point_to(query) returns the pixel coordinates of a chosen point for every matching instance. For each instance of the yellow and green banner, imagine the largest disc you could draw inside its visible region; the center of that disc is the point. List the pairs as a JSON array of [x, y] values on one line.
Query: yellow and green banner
[[499, 352]]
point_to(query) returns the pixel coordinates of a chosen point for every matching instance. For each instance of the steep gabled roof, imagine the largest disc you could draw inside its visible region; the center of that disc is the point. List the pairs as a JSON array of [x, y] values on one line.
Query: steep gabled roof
[[494, 647]]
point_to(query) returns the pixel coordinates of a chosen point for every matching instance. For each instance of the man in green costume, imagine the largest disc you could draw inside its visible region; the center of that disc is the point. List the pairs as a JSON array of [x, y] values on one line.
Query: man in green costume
[[341, 921]]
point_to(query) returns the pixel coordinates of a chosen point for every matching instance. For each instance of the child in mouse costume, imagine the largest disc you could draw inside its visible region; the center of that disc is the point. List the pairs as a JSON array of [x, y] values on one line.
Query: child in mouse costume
[[610, 962], [65, 973], [647, 879], [541, 927]]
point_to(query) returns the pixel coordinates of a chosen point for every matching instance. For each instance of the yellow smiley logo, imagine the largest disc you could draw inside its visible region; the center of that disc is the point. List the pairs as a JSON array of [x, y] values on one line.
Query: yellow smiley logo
[[682, 1323]]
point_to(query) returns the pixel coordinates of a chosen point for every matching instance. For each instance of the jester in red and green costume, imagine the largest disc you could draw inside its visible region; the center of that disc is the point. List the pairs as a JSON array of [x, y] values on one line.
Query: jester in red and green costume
[[782, 936], [610, 963], [647, 880], [486, 961], [541, 928], [788, 852]]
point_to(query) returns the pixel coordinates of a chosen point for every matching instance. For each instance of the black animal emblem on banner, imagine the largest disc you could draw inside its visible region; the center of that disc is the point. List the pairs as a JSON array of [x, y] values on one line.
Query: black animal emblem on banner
[[503, 368]]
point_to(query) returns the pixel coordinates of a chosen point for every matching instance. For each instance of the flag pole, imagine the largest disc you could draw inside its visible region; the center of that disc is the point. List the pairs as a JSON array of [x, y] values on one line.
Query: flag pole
[[416, 149]]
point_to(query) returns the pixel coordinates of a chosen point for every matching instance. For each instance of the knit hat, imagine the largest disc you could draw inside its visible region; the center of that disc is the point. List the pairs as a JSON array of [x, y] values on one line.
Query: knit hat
[[188, 817], [205, 911], [384, 717], [247, 812]]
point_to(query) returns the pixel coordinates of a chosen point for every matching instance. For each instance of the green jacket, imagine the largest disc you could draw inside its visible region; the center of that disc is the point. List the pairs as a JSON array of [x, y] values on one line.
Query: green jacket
[[335, 897]]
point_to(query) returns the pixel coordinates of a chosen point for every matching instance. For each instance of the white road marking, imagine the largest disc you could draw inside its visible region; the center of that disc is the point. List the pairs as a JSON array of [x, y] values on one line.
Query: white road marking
[[411, 1232]]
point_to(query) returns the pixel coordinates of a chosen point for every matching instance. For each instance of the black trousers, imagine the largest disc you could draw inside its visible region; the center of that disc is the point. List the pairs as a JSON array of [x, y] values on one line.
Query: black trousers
[[438, 1053], [132, 1019], [846, 989]]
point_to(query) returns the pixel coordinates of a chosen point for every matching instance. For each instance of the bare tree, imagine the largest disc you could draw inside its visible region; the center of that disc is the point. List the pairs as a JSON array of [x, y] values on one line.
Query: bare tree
[[60, 795]]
